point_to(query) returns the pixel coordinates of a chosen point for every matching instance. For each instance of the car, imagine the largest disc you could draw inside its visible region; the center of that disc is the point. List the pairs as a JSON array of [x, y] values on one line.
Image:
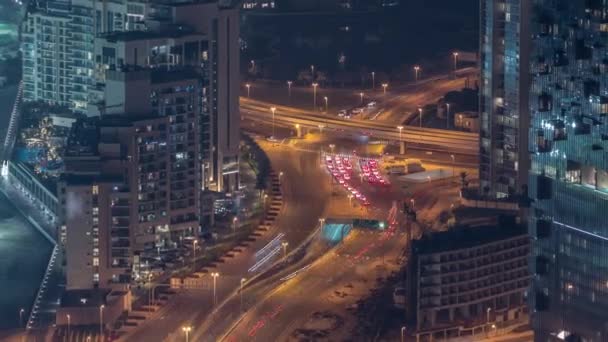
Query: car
[[371, 104], [342, 113]]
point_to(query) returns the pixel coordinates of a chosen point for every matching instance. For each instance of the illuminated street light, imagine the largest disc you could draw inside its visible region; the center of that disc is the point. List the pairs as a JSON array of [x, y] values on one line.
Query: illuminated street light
[[420, 116], [455, 54], [214, 275], [402, 334], [413, 202], [101, 307], [361, 95], [321, 221], [447, 116], [248, 86], [21, 312], [273, 109], [312, 72], [331, 147], [235, 220], [69, 321], [384, 86], [373, 80], [314, 95], [289, 90], [194, 249], [280, 176], [326, 104], [400, 128], [350, 199], [453, 165], [188, 329], [284, 244], [416, 71]]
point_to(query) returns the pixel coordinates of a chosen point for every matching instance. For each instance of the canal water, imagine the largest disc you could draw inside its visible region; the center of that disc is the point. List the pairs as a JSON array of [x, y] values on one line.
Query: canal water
[[24, 254]]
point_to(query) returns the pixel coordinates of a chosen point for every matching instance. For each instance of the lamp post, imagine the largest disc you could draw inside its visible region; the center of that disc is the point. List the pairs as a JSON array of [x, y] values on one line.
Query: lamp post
[[289, 90], [187, 330], [402, 334], [416, 71], [332, 147], [214, 275], [285, 244], [413, 202], [248, 86], [101, 307], [361, 95], [326, 104], [312, 72], [252, 66], [447, 116], [400, 128], [273, 109], [384, 86], [235, 220], [21, 312], [194, 250], [314, 95], [280, 176], [453, 165], [488, 315], [241, 292], [373, 80], [322, 221], [420, 116], [455, 55], [350, 200], [69, 321]]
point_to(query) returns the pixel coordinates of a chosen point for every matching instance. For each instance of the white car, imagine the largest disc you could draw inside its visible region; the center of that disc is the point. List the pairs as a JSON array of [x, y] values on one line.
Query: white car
[[342, 113], [371, 104]]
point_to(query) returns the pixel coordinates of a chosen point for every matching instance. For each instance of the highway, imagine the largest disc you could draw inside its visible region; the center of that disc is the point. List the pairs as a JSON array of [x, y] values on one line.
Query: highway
[[462, 142], [304, 200]]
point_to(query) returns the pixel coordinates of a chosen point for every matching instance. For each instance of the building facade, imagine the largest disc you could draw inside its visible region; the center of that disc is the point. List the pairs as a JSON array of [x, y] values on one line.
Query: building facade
[[467, 277], [504, 114], [569, 171]]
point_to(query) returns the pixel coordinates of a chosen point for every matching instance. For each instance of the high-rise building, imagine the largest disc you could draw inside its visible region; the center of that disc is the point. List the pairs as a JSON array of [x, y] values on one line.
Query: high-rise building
[[569, 170], [132, 177], [504, 114]]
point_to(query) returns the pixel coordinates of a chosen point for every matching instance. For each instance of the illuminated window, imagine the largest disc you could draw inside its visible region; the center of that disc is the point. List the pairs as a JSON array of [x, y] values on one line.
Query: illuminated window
[[95, 261], [95, 189]]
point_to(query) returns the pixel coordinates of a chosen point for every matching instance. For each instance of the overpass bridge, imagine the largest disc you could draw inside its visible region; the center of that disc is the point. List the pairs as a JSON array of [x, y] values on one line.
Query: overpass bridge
[[451, 141]]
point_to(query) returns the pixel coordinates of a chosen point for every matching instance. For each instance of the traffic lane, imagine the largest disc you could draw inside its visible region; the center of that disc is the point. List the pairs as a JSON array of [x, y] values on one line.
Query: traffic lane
[[299, 297]]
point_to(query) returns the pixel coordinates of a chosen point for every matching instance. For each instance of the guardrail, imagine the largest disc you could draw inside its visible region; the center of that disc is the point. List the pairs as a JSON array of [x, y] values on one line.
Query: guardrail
[[42, 288], [11, 132]]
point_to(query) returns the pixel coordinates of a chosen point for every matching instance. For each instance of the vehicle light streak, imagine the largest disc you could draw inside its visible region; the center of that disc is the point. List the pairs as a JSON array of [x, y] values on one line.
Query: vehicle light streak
[[265, 259], [295, 273], [269, 245], [261, 323]]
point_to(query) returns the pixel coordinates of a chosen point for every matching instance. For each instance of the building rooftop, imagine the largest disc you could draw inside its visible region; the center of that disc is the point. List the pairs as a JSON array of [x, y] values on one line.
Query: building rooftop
[[172, 31], [466, 237]]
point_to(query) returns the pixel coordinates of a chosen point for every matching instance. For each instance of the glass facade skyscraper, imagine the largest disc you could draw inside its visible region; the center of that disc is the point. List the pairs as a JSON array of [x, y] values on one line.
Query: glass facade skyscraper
[[504, 115], [568, 180]]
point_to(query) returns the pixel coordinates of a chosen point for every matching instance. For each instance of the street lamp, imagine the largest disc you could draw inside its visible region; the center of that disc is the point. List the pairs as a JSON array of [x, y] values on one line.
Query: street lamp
[[280, 176], [413, 202], [447, 116], [488, 315], [400, 128], [314, 95], [361, 95], [21, 312], [420, 116], [289, 90], [453, 165], [194, 250], [285, 244], [429, 178], [455, 54], [350, 200], [253, 66], [235, 220], [273, 109], [214, 275], [69, 321], [312, 72], [373, 80], [331, 147], [384, 86], [416, 71], [402, 334], [248, 86], [241, 292], [188, 329], [101, 307], [326, 104], [322, 221]]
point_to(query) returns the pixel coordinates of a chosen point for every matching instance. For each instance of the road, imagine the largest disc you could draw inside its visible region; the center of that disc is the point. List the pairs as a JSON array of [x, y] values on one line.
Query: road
[[304, 203]]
